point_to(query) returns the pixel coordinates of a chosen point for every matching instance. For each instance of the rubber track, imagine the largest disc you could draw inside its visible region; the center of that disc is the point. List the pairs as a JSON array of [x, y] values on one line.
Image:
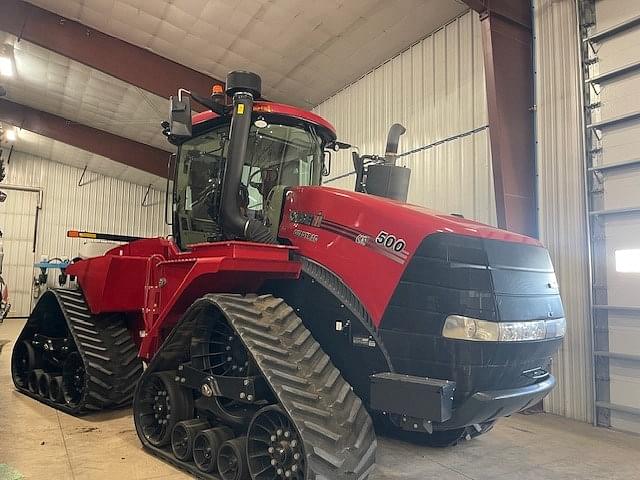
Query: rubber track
[[110, 356], [334, 425]]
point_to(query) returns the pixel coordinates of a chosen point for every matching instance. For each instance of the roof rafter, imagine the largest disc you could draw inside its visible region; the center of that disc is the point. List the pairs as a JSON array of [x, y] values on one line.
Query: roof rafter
[[115, 57], [122, 150]]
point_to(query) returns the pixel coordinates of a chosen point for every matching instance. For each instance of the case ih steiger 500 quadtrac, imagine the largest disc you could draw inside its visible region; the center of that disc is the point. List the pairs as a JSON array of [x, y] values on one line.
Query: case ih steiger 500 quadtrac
[[282, 315]]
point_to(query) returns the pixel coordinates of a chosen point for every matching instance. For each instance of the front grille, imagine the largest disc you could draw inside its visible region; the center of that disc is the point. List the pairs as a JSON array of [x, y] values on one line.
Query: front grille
[[481, 278]]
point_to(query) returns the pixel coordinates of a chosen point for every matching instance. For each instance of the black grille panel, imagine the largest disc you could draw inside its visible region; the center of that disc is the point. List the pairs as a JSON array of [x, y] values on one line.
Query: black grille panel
[[480, 278]]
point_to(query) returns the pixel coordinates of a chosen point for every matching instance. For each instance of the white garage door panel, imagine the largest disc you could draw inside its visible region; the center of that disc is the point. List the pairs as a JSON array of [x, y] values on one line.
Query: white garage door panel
[[621, 189], [625, 388], [17, 222], [620, 97], [625, 421], [613, 12], [612, 92], [614, 52], [620, 144], [624, 334]]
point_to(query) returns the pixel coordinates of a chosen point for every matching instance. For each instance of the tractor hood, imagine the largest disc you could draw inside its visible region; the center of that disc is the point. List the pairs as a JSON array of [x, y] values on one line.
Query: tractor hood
[[368, 241]]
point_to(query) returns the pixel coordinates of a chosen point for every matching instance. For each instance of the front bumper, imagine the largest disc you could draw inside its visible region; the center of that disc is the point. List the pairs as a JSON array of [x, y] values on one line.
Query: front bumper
[[419, 400], [485, 406]]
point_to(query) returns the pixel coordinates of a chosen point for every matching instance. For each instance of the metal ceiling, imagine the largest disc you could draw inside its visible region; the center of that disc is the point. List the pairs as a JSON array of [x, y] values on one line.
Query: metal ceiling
[[305, 51], [55, 84]]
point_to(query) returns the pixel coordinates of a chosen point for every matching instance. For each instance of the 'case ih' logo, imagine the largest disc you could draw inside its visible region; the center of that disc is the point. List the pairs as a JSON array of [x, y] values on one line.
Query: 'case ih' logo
[[306, 218]]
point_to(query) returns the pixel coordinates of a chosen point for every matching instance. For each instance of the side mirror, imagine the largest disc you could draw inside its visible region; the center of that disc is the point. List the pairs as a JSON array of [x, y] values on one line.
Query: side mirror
[[3, 197], [180, 117], [326, 163]]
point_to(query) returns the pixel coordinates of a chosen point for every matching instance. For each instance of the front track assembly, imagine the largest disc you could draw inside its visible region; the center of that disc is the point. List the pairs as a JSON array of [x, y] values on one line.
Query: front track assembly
[[253, 397], [72, 360]]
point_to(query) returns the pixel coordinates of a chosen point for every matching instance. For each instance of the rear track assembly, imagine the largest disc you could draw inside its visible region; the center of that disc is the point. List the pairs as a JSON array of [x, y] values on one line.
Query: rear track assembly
[[72, 360]]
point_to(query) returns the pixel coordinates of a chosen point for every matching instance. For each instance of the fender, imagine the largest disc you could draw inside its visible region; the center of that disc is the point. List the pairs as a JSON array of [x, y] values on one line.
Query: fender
[[326, 304]]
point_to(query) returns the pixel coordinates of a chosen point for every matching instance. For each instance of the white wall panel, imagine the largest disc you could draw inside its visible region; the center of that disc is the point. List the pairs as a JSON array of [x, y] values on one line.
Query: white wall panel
[[562, 217], [17, 222], [436, 89], [102, 204]]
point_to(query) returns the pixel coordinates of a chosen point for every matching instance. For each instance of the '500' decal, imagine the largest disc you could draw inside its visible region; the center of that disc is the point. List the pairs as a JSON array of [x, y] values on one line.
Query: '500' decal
[[390, 241], [385, 244]]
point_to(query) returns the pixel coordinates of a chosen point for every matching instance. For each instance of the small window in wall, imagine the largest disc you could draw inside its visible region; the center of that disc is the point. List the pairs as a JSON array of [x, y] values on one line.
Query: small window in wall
[[628, 261]]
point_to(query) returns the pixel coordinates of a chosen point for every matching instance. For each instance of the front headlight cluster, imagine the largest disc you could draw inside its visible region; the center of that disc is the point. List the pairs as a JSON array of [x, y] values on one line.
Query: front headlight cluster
[[467, 328]]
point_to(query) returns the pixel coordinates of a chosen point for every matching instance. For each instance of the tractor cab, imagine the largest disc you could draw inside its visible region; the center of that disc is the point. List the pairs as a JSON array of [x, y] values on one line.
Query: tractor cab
[[282, 151], [236, 162], [285, 147]]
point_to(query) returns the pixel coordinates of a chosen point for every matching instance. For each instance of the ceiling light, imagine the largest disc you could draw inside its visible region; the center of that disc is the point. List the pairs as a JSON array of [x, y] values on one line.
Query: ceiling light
[[6, 67], [12, 135]]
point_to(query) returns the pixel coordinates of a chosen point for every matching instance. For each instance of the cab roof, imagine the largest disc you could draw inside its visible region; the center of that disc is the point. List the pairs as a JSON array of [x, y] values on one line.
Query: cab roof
[[275, 108]]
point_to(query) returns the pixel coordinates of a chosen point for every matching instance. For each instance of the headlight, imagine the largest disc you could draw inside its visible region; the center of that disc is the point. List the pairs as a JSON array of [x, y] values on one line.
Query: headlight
[[467, 328]]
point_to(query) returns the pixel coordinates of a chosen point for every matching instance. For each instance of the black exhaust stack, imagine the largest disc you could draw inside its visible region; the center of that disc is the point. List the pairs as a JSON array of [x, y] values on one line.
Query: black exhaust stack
[[243, 87], [393, 140], [381, 176]]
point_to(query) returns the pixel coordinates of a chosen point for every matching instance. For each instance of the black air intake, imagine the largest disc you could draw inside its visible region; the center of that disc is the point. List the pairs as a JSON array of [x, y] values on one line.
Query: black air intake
[[244, 87]]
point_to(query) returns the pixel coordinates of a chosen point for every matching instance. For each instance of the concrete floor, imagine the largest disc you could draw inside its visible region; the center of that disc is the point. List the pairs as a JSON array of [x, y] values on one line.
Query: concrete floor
[[38, 443]]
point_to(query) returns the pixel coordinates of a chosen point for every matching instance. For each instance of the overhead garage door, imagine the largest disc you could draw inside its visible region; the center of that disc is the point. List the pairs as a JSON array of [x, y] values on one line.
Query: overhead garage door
[[611, 56], [17, 222]]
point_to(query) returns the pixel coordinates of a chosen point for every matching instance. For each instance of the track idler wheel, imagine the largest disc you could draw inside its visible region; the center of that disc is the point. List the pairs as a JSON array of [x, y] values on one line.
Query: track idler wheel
[[162, 404], [206, 446], [23, 361], [274, 447], [232, 460], [34, 379], [183, 435], [56, 393]]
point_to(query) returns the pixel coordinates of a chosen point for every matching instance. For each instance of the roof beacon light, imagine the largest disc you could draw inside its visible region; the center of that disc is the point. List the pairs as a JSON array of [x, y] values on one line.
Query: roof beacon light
[[217, 89]]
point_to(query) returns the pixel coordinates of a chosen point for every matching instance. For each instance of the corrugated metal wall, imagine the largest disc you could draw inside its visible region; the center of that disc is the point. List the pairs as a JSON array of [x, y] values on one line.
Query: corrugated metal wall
[[562, 216], [101, 204], [436, 89]]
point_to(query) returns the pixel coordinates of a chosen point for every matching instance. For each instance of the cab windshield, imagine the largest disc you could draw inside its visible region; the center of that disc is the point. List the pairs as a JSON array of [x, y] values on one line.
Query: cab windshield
[[278, 155]]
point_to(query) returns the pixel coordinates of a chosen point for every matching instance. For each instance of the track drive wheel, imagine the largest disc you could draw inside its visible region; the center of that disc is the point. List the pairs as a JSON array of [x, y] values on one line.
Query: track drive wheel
[[232, 459], [24, 360], [161, 405], [274, 447], [218, 350]]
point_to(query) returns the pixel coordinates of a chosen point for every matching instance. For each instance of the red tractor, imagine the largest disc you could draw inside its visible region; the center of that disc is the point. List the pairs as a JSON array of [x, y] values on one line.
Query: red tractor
[[283, 316]]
